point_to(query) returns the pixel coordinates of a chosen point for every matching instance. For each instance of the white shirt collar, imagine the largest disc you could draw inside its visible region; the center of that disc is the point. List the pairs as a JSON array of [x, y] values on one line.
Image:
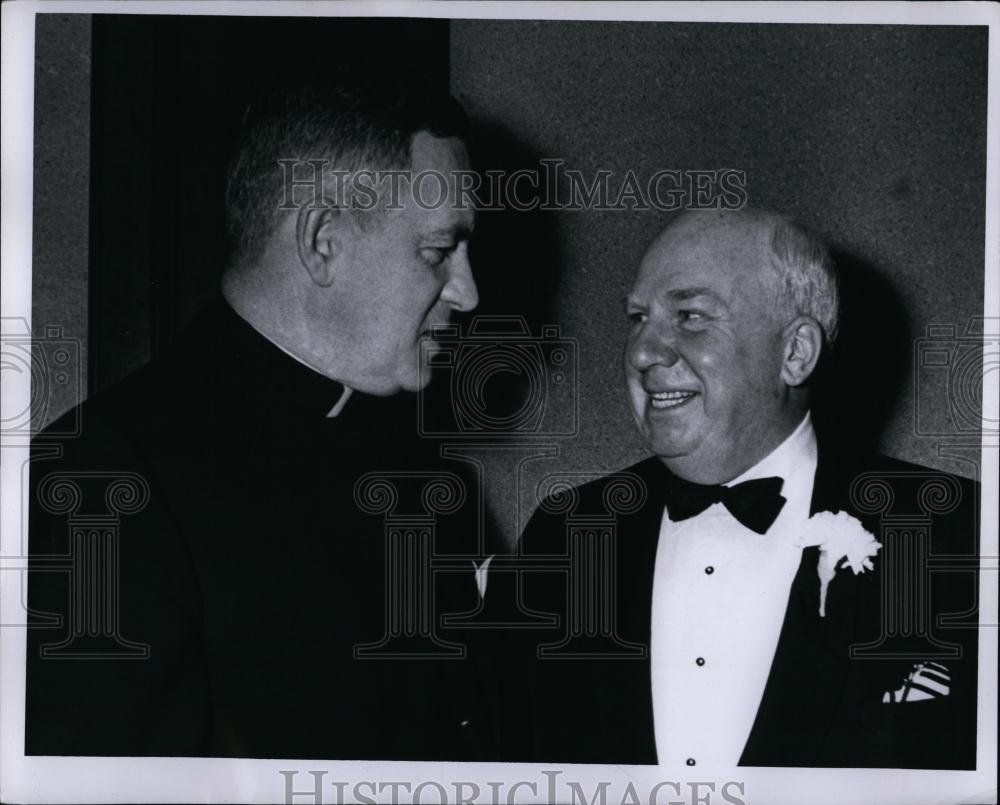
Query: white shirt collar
[[794, 460]]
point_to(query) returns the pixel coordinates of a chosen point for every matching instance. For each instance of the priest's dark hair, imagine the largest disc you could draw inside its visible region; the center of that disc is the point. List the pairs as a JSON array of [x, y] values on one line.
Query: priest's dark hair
[[350, 121]]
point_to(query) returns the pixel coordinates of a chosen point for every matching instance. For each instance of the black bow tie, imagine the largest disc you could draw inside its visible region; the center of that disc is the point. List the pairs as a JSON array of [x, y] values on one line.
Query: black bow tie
[[754, 503]]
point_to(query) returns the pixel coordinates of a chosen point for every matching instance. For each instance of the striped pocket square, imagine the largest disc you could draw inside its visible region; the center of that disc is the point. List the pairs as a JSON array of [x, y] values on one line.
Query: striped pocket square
[[927, 680]]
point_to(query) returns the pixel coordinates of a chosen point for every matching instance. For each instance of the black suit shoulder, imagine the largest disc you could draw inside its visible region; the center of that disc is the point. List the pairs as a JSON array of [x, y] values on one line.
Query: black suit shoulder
[[622, 493], [876, 487]]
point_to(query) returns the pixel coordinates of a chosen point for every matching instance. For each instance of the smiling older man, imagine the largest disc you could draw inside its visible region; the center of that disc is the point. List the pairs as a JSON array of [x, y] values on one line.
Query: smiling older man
[[730, 630]]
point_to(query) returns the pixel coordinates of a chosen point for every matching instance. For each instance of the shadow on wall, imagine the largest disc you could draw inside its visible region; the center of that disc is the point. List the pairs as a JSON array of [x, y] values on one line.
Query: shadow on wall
[[856, 394], [516, 252], [487, 387], [493, 388]]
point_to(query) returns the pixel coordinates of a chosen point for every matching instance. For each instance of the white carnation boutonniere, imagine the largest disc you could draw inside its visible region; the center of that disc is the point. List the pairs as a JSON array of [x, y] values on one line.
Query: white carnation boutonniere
[[839, 537]]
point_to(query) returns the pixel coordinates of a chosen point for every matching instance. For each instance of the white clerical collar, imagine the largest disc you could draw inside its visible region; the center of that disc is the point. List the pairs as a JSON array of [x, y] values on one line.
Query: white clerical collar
[[794, 460], [345, 395], [339, 406]]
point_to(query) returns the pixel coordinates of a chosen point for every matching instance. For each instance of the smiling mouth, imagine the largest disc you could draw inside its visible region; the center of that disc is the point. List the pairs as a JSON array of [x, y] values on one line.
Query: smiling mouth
[[662, 400]]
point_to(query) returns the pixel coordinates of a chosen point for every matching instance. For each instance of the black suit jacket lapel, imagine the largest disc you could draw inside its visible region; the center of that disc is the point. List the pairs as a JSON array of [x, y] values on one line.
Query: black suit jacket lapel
[[807, 679], [638, 540], [596, 708]]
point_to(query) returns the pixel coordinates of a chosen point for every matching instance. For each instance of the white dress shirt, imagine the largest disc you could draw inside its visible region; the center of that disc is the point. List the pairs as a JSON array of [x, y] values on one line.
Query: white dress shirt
[[719, 596]]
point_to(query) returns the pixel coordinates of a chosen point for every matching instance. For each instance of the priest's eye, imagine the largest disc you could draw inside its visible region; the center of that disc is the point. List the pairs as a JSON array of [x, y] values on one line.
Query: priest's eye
[[635, 316], [436, 255]]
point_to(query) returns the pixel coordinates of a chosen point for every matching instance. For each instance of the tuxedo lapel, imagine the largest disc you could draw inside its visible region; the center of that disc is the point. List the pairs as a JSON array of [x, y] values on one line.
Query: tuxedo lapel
[[598, 708], [638, 539], [637, 543], [807, 678]]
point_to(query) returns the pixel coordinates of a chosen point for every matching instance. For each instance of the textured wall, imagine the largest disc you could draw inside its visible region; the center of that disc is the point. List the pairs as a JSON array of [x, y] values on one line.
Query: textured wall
[[872, 136], [61, 188]]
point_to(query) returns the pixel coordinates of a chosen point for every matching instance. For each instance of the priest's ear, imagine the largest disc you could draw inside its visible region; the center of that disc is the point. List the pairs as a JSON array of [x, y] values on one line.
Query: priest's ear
[[803, 342], [321, 233]]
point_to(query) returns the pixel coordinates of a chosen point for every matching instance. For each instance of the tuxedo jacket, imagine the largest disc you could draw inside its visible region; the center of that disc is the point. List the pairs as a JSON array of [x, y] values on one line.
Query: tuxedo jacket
[[823, 704], [239, 566]]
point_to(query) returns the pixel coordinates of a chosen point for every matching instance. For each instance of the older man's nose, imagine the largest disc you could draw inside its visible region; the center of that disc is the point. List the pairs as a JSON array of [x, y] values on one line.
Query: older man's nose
[[650, 347], [460, 291]]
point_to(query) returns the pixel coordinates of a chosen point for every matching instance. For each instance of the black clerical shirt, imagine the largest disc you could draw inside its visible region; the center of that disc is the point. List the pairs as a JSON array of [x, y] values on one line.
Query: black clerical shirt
[[240, 570]]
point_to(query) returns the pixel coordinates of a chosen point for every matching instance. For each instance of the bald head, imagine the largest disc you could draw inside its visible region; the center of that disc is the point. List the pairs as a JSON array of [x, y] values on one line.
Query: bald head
[[730, 311]]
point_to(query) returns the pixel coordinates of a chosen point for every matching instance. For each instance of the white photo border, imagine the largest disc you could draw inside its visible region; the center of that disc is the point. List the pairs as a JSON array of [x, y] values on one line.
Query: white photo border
[[101, 779]]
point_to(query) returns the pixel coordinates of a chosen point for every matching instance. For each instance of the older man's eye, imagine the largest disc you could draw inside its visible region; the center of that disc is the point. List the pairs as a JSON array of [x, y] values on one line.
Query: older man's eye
[[635, 316], [691, 316]]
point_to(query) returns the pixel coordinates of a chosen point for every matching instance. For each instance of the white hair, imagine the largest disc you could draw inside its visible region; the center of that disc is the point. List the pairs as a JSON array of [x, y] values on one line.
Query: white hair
[[806, 272]]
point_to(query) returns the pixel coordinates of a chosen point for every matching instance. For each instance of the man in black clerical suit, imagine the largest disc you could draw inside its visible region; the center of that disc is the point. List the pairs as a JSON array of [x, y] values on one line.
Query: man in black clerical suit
[[749, 595], [230, 589]]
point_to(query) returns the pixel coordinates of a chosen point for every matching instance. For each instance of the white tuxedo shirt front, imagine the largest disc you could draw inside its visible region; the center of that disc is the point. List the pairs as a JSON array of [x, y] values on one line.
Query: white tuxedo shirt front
[[720, 592]]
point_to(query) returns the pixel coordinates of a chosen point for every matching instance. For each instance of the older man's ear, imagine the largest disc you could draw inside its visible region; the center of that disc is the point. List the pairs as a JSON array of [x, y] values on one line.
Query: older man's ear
[[803, 340], [320, 237]]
